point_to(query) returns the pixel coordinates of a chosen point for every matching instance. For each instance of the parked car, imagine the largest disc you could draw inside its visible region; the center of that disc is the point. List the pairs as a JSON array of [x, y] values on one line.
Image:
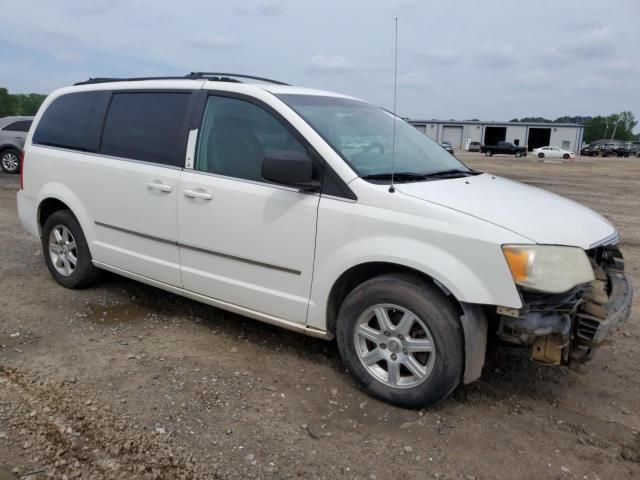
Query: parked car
[[475, 147], [447, 146], [587, 150], [504, 148], [13, 132], [613, 149], [252, 198], [553, 152]]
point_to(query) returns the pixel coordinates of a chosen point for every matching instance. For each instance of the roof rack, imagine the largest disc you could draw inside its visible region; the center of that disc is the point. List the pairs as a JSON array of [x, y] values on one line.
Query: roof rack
[[225, 77], [211, 76]]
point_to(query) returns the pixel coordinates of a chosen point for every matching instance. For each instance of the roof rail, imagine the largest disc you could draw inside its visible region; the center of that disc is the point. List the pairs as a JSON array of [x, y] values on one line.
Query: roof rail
[[211, 76], [224, 76]]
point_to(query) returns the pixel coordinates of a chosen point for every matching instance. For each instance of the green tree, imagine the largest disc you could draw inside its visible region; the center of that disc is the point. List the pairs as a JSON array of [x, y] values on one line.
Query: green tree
[[20, 103], [6, 103], [618, 126]]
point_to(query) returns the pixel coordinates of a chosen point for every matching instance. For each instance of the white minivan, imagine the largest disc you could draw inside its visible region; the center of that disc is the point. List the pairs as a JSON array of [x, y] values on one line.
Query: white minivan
[[320, 213]]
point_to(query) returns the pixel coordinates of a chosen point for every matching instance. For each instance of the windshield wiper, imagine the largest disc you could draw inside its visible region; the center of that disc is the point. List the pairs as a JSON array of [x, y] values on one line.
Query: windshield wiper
[[400, 176], [451, 172]]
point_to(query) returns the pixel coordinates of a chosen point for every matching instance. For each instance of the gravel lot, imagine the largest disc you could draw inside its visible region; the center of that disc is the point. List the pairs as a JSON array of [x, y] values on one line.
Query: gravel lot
[[125, 381]]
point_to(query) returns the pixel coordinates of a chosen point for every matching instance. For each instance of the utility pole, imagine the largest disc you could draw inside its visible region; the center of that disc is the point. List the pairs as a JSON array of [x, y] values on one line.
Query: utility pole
[[615, 127]]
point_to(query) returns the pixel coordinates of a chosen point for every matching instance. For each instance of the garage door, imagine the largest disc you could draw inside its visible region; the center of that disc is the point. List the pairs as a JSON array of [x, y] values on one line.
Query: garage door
[[453, 135]]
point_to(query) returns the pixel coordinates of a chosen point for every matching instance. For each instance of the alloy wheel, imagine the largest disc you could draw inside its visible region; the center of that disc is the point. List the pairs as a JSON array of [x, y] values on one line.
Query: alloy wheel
[[395, 346], [10, 161], [63, 250]]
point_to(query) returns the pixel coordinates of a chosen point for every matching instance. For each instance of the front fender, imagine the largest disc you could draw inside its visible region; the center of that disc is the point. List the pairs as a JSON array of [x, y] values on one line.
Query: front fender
[[461, 252]]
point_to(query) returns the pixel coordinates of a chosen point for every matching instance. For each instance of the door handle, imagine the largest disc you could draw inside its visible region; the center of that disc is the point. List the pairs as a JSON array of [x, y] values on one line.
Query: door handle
[[197, 193], [159, 186]]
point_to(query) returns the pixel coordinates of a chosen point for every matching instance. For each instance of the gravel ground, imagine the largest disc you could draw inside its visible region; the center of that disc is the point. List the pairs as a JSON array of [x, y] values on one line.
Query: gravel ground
[[123, 381]]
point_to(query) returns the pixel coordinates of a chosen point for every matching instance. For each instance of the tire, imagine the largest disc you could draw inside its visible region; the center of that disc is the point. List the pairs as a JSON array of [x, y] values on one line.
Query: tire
[[518, 154], [541, 155], [440, 371], [10, 160], [488, 153], [565, 156], [59, 259]]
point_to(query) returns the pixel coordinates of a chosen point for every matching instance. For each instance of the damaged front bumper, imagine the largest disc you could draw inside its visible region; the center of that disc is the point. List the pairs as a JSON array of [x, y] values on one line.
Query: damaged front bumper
[[564, 328]]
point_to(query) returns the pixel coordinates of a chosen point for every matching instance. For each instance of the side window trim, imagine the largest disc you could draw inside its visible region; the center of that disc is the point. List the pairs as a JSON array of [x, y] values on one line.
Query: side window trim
[[325, 170]]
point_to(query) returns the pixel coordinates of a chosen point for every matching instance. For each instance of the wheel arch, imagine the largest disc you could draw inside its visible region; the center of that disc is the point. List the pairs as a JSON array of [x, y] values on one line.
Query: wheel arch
[[9, 146], [54, 197], [472, 317], [47, 207], [362, 272]]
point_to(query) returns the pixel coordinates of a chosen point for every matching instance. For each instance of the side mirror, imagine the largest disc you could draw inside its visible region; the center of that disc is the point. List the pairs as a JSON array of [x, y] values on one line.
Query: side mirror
[[290, 168]]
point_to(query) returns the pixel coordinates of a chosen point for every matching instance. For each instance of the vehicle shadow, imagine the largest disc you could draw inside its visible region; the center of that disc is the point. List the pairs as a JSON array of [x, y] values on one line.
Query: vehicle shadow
[[508, 371]]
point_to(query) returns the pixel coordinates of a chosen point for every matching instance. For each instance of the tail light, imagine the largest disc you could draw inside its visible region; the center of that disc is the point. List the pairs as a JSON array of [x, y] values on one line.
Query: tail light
[[22, 170]]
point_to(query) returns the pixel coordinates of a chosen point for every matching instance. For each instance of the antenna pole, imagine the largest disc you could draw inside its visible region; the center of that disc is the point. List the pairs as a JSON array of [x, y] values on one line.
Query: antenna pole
[[392, 187]]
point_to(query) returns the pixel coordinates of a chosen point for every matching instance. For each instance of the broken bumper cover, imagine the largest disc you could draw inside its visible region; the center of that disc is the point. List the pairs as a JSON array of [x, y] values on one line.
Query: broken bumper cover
[[567, 327], [593, 330]]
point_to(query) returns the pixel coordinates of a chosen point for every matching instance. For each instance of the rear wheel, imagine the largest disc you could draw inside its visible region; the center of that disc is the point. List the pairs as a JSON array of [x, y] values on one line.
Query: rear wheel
[[402, 340], [66, 251], [10, 160], [541, 155], [488, 153]]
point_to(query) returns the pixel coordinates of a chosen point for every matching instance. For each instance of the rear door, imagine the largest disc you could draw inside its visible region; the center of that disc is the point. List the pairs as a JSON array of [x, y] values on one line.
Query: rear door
[[132, 186], [243, 240]]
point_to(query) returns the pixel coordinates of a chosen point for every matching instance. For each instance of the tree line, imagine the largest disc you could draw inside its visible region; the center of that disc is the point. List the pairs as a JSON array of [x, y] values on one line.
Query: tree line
[[618, 126], [19, 103]]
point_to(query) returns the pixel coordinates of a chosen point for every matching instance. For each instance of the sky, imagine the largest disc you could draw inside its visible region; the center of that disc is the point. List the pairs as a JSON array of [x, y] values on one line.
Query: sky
[[462, 59]]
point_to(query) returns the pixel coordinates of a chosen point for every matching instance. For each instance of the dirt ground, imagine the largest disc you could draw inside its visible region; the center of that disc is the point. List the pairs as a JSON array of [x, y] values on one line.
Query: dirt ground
[[124, 381]]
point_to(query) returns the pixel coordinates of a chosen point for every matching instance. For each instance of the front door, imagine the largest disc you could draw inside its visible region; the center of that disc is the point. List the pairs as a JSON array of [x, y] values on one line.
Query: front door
[[243, 240]]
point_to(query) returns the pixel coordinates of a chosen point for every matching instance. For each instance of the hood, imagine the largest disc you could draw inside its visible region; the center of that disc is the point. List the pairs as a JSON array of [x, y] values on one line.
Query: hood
[[541, 216]]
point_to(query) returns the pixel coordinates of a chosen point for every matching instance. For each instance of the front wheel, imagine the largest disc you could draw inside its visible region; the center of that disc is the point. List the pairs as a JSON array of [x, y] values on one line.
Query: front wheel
[[518, 154], [66, 251], [402, 340], [488, 153], [10, 161], [541, 155], [565, 156]]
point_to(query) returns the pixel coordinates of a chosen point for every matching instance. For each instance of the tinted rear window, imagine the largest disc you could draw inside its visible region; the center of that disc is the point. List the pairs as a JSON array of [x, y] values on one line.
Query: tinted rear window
[[19, 126], [148, 126], [73, 121]]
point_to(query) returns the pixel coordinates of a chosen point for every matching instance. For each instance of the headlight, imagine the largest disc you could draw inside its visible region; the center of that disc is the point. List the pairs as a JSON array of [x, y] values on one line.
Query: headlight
[[548, 268]]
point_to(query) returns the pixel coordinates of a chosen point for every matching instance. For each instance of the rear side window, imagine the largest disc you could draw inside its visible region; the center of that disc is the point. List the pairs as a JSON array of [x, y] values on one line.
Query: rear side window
[[147, 126], [19, 126], [73, 121]]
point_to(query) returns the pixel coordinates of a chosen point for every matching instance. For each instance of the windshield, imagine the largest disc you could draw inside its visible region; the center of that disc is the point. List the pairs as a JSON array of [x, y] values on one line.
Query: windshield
[[363, 135]]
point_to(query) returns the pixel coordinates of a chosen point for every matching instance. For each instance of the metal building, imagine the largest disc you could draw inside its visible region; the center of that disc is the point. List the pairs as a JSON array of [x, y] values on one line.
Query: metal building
[[567, 136]]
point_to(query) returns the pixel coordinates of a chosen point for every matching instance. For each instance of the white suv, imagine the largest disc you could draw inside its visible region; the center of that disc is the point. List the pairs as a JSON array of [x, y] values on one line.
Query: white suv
[[319, 213]]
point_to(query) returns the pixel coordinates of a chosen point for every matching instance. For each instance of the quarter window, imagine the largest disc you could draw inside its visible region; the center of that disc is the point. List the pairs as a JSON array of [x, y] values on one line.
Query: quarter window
[[19, 126], [147, 126], [235, 137], [73, 121]]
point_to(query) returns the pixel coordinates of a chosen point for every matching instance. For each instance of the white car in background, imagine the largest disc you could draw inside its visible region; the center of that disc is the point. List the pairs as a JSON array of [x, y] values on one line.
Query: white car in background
[[553, 152]]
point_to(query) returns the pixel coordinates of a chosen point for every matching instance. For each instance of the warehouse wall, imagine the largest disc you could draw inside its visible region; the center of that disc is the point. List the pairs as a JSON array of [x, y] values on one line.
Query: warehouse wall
[[517, 132], [565, 134], [475, 133]]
